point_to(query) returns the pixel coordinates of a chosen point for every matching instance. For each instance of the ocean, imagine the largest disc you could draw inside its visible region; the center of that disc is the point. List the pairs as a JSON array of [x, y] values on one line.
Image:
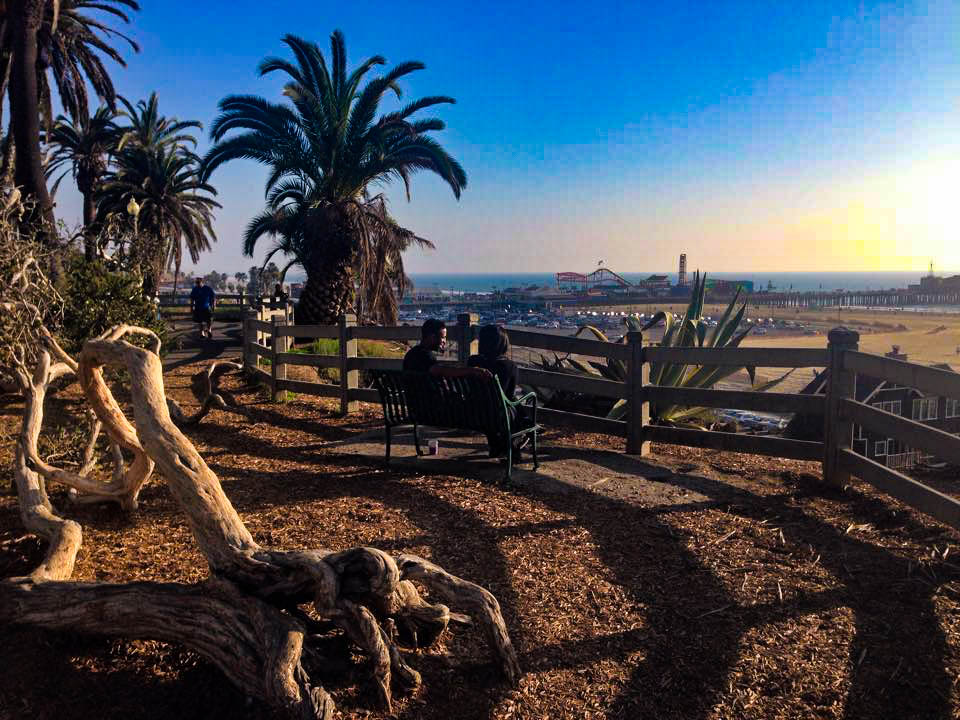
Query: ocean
[[800, 281]]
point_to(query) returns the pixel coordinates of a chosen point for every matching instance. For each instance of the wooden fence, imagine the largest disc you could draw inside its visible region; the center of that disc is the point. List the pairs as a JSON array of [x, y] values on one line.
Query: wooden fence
[[183, 299], [268, 335]]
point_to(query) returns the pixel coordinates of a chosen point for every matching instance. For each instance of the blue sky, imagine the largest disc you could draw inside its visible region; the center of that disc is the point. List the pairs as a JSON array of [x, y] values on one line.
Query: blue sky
[[752, 135]]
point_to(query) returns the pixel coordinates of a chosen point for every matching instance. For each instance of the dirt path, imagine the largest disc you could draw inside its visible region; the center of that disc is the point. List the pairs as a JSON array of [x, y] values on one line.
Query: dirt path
[[187, 347]]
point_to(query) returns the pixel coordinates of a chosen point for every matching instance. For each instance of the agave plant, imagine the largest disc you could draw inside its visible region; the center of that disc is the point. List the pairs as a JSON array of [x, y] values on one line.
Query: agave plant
[[690, 331]]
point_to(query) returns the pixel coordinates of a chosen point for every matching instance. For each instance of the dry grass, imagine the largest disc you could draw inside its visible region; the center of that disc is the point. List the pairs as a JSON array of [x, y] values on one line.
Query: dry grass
[[758, 596]]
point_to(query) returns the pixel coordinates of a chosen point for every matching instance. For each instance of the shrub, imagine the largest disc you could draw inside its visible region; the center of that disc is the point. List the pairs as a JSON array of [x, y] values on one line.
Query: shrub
[[365, 348], [97, 298]]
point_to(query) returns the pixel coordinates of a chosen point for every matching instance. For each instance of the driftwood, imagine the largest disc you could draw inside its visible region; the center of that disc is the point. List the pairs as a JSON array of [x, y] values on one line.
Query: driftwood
[[250, 618], [206, 388]]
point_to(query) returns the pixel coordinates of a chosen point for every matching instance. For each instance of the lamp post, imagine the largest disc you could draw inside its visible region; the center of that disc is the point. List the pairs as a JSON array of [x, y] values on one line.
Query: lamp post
[[133, 210]]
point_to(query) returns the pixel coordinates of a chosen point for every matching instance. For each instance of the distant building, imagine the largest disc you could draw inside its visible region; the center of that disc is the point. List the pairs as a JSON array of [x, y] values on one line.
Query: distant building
[[728, 287], [655, 284], [933, 283], [939, 412], [682, 275]]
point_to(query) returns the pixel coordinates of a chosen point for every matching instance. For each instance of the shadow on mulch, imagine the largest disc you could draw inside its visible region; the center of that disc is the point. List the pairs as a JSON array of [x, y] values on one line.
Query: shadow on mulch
[[894, 620]]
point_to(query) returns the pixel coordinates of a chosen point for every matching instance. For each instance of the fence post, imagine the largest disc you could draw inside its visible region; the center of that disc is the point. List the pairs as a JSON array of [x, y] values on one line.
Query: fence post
[[841, 385], [349, 378], [279, 345], [466, 337], [250, 359], [638, 406]]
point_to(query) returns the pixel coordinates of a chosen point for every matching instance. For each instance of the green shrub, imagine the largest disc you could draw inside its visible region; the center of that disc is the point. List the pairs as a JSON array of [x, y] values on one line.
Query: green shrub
[[96, 298], [365, 348]]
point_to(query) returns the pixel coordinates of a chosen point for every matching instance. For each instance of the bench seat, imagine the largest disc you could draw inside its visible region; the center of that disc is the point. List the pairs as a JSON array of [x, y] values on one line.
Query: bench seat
[[466, 403]]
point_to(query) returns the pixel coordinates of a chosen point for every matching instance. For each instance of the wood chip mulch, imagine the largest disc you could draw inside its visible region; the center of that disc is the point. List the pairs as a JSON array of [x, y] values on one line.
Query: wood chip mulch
[[763, 595]]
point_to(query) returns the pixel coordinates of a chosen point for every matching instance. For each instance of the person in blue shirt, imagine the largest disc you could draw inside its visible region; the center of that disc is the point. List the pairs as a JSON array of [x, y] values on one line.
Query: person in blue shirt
[[202, 302]]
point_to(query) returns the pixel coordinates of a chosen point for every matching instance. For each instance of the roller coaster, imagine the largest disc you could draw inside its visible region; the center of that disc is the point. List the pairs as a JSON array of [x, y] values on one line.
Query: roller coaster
[[602, 278]]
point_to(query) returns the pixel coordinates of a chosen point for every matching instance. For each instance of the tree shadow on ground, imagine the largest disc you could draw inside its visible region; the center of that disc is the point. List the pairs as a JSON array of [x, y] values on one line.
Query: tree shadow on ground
[[672, 583], [687, 649], [647, 557]]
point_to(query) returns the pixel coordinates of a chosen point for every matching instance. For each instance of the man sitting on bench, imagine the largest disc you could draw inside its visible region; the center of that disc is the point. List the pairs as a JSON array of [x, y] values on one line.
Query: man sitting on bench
[[422, 358]]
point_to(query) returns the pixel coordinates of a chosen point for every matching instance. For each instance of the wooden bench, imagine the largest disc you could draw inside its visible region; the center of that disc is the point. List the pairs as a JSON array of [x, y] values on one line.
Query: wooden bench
[[468, 403]]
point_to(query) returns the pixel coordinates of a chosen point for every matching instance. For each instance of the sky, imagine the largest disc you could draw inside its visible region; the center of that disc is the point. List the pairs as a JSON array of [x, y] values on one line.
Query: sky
[[754, 136]]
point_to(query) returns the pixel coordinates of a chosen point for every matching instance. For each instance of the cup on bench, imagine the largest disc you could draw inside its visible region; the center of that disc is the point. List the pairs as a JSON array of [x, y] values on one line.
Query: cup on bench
[[433, 447]]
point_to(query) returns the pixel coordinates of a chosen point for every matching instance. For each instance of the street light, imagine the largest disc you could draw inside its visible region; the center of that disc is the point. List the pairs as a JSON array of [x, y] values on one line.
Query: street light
[[133, 210]]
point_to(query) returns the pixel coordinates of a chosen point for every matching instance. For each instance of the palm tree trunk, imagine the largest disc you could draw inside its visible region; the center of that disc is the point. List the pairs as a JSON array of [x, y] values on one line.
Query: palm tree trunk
[[89, 231], [25, 111], [7, 161], [176, 280], [326, 294]]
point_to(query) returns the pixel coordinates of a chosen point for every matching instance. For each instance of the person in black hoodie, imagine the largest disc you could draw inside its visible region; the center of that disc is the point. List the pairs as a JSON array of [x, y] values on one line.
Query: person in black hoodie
[[493, 355]]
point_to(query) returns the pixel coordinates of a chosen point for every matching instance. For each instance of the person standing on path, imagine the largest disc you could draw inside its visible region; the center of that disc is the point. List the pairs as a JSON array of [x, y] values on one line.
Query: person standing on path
[[202, 302]]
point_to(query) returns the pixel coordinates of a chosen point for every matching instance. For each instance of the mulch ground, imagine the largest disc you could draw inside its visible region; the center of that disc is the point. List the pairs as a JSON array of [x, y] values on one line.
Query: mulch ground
[[763, 596]]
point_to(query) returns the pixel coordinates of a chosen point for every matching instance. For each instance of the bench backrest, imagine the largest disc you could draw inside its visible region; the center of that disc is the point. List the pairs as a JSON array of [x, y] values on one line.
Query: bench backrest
[[468, 403]]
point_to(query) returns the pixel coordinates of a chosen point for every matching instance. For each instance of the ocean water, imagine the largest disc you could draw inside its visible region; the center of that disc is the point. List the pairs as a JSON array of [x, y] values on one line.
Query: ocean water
[[801, 281]]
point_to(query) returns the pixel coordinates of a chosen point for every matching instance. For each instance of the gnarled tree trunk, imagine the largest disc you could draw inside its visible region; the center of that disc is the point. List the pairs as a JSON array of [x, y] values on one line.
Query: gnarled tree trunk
[[246, 618]]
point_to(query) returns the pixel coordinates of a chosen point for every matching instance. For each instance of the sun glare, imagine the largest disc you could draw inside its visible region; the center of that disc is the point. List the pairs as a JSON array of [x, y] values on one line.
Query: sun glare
[[927, 221]]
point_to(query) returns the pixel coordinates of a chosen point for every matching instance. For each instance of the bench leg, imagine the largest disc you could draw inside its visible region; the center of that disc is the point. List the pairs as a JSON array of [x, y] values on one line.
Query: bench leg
[[387, 443], [509, 460], [536, 461], [416, 440]]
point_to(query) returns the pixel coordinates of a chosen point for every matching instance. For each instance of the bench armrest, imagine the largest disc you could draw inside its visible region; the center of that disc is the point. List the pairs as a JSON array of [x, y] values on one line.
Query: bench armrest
[[523, 399]]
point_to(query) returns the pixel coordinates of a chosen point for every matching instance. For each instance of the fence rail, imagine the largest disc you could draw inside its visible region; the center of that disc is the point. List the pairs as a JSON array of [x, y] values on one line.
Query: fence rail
[[910, 432], [182, 300], [268, 335], [921, 377], [922, 497], [739, 399], [736, 442], [573, 383], [755, 357]]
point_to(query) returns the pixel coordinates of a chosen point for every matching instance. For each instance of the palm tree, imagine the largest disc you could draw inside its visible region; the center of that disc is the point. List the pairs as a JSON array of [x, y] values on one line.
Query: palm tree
[[55, 35], [148, 128], [324, 150], [175, 206], [83, 147]]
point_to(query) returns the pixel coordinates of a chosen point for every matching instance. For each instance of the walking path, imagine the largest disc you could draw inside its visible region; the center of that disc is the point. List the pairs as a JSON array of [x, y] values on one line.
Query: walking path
[[185, 345]]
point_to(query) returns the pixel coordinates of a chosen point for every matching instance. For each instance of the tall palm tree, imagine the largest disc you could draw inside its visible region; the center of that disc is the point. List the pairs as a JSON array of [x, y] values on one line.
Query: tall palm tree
[[175, 206], [83, 147], [324, 150], [59, 36], [149, 128]]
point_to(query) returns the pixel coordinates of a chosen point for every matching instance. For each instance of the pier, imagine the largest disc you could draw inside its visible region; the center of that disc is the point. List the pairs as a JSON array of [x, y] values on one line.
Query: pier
[[860, 298]]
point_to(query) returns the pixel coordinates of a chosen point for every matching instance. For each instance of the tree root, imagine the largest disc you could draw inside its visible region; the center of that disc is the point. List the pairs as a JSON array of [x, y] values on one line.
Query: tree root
[[254, 644], [206, 389], [246, 618]]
